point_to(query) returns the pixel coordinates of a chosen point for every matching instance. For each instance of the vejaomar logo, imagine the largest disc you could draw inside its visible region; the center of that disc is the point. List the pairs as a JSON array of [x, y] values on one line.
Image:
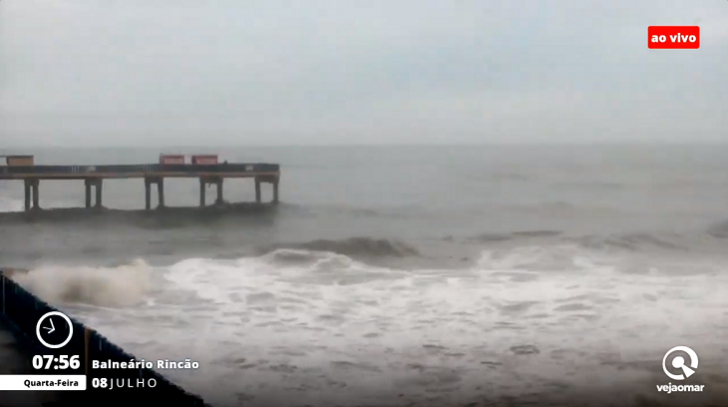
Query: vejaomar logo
[[673, 37], [685, 370]]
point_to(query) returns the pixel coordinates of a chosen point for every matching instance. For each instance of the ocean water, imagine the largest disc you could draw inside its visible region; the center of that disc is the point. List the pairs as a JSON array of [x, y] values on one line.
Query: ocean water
[[402, 275]]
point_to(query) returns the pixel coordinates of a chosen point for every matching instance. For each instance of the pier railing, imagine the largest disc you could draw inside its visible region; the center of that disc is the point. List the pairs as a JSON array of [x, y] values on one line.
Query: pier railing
[[22, 310], [139, 170]]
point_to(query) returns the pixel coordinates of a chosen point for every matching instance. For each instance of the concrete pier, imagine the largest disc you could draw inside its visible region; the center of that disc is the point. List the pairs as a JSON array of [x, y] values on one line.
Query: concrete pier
[[97, 185], [266, 179], [94, 175], [219, 200], [148, 182], [32, 186], [99, 193], [209, 181], [36, 197], [203, 184], [27, 194], [87, 189], [160, 192]]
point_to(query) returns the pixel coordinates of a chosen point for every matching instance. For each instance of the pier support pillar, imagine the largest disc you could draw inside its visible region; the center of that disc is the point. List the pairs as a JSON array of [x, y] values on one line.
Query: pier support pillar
[[27, 194], [99, 193], [275, 191], [202, 192], [219, 200], [160, 192], [257, 190], [87, 187], [147, 194], [90, 183], [36, 196]]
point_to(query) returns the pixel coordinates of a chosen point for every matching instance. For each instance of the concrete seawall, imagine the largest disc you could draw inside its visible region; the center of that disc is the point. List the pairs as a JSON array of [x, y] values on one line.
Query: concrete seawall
[[21, 311]]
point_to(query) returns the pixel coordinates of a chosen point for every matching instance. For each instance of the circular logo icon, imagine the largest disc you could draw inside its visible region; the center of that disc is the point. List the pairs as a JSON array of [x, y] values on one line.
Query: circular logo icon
[[678, 362], [54, 330]]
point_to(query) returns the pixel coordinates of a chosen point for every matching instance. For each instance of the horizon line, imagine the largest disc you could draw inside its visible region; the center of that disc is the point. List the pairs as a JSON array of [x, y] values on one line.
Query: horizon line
[[324, 145]]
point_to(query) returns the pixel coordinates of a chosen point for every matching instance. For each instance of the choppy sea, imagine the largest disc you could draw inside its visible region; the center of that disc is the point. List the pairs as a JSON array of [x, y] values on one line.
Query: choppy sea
[[401, 275]]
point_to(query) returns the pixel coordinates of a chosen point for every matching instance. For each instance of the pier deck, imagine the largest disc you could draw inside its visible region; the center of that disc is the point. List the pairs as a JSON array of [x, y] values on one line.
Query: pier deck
[[93, 176]]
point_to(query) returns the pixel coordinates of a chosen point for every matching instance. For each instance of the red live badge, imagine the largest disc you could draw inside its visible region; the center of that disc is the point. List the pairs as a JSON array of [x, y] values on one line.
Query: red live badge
[[673, 37]]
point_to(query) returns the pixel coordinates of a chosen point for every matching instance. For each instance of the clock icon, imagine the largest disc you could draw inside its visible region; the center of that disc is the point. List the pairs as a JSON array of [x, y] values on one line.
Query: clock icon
[[54, 330]]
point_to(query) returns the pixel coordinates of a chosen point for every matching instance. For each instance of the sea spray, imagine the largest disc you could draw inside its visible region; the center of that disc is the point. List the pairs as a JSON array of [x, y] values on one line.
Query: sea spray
[[120, 286]]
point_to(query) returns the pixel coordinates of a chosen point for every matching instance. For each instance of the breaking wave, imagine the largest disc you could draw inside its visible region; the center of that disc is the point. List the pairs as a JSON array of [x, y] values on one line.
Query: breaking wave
[[120, 286], [356, 247], [499, 237], [634, 242], [519, 313], [622, 242]]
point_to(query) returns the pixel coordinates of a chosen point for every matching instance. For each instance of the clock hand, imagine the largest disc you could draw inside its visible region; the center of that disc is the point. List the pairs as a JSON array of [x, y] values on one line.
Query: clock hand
[[52, 328]]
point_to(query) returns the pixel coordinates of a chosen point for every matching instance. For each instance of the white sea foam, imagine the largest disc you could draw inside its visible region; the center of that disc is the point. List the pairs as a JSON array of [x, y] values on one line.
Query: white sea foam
[[324, 328], [106, 287]]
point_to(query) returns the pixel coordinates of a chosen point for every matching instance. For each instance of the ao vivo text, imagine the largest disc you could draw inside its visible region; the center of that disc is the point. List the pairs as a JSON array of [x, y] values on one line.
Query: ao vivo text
[[673, 37]]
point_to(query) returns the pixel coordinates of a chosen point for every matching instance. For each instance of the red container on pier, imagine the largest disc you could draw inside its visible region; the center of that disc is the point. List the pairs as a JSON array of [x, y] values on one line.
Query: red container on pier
[[171, 159], [207, 159], [19, 160]]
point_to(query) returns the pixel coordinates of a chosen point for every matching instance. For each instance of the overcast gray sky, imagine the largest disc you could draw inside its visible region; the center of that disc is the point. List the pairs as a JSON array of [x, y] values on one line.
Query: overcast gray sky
[[198, 72]]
